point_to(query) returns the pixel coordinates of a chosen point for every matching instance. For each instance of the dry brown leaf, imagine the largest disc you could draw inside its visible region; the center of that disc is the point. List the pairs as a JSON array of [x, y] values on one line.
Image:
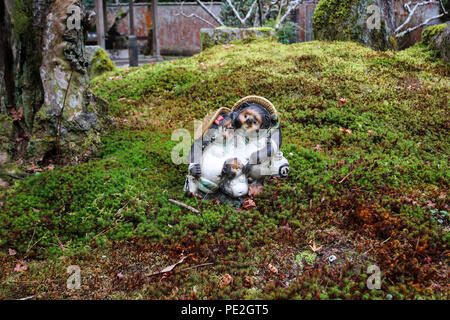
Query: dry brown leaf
[[255, 190], [314, 248], [226, 280], [248, 204]]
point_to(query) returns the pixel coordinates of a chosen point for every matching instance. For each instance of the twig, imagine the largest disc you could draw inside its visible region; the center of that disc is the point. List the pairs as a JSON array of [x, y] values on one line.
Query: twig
[[210, 13], [192, 15], [236, 13], [32, 237], [28, 250], [13, 176], [121, 209], [290, 7], [348, 175], [197, 266], [184, 205], [411, 12]]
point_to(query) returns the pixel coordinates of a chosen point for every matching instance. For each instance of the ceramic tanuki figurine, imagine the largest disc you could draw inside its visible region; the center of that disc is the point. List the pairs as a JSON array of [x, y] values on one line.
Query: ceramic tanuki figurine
[[235, 149]]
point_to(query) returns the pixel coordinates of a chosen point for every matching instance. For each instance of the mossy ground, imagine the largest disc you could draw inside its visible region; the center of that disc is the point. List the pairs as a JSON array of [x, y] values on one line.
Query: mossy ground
[[366, 135]]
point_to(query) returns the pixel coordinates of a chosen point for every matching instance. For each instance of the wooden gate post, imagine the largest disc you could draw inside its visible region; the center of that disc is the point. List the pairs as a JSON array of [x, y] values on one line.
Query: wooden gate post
[[100, 23]]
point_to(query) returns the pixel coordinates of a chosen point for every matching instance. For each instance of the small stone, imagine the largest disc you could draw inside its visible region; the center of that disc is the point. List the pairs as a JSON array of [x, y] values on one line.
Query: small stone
[[332, 258]]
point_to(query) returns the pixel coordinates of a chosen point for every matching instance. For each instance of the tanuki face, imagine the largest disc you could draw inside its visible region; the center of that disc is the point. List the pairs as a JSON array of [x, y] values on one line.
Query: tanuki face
[[250, 120]]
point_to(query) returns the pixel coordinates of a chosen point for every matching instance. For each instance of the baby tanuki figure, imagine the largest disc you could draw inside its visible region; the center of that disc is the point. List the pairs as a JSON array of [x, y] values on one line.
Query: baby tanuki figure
[[235, 149]]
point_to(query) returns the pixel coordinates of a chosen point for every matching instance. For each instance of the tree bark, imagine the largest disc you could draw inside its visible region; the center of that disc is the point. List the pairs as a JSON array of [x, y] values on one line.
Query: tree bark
[[43, 79]]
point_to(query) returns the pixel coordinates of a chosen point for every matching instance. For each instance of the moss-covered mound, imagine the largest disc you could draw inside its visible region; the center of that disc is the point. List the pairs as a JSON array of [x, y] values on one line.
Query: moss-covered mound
[[365, 132], [346, 20], [433, 31], [100, 63], [437, 38]]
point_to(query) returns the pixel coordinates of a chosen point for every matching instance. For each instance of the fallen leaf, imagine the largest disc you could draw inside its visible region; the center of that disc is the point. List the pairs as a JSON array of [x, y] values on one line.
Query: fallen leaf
[[314, 248], [248, 204], [254, 190], [169, 268], [20, 266], [431, 204], [226, 280]]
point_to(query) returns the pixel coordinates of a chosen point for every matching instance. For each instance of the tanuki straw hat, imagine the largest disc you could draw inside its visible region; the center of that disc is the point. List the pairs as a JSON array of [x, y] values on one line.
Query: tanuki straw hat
[[210, 118], [208, 121], [259, 100]]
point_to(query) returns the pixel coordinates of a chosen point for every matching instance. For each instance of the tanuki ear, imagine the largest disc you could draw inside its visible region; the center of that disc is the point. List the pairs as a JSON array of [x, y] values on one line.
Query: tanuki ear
[[244, 105], [274, 121]]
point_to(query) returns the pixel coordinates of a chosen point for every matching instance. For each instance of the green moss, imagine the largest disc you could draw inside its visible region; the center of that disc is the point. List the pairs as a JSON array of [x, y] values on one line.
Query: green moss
[[22, 16], [265, 30], [432, 32], [100, 63], [225, 27], [346, 21], [307, 256], [396, 150], [328, 13]]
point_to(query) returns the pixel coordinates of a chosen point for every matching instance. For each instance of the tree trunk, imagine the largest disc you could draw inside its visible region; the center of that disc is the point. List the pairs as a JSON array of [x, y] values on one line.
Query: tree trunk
[[44, 106]]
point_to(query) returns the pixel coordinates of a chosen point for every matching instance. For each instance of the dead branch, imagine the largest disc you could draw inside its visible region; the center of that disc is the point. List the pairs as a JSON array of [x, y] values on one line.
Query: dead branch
[[238, 16], [192, 15], [197, 266], [216, 18], [411, 12], [184, 205], [292, 5]]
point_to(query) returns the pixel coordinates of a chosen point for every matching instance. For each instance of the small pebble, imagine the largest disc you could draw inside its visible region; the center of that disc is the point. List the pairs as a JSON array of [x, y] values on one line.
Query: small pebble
[[332, 258]]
